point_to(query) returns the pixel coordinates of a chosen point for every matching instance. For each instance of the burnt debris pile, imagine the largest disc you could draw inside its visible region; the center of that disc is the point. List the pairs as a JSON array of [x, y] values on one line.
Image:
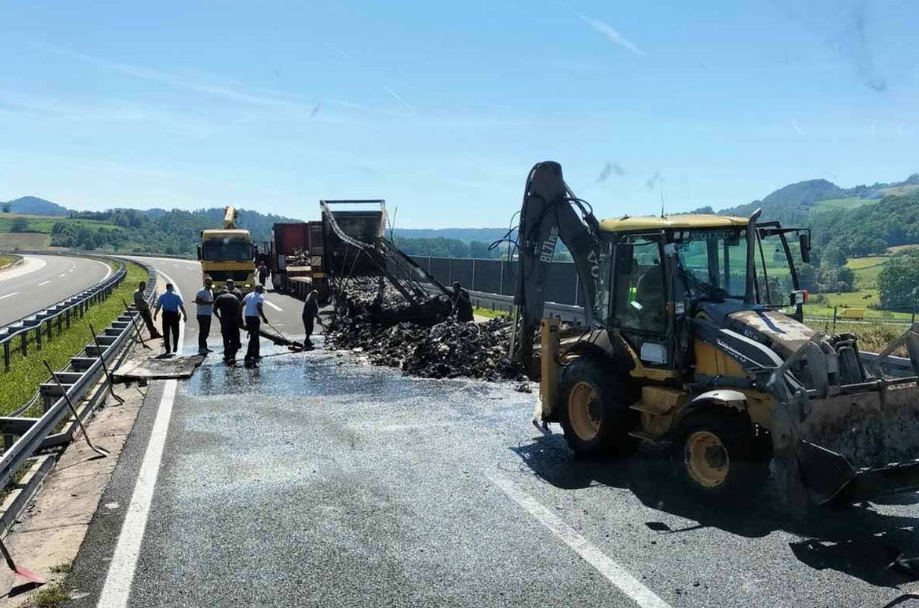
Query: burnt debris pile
[[445, 350]]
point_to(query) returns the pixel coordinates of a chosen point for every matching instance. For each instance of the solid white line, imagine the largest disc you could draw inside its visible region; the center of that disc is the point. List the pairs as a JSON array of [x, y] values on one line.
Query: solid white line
[[274, 306], [120, 577], [62, 275], [9, 295], [613, 572], [43, 283], [117, 588], [108, 269]]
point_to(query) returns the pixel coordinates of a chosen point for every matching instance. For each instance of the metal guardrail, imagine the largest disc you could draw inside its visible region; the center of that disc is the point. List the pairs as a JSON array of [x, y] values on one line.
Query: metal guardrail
[[80, 375], [61, 314], [575, 314]]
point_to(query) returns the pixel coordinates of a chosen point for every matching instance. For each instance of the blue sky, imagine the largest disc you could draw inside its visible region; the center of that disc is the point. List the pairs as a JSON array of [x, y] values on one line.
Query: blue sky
[[442, 108]]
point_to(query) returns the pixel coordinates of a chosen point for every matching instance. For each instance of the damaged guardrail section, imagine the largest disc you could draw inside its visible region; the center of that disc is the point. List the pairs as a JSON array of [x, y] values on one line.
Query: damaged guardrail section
[[40, 324], [24, 436]]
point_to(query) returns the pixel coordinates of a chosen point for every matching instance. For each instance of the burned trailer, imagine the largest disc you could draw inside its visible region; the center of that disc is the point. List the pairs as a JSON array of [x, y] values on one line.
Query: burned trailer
[[359, 260]]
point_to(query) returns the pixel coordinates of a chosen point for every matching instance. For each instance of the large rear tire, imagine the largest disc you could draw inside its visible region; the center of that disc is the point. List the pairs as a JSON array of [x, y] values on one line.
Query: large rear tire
[[595, 410], [719, 458]]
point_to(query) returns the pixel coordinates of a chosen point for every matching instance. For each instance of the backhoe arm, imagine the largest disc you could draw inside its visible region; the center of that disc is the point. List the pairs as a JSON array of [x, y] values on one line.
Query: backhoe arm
[[551, 212]]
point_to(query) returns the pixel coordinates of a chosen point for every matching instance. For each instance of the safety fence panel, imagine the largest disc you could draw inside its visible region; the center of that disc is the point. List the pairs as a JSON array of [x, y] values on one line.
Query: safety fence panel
[[500, 277]]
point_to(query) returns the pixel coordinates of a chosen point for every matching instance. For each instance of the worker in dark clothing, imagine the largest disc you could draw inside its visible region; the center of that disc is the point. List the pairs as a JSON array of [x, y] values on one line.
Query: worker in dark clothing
[[232, 288], [263, 274], [226, 309], [171, 303], [310, 316], [253, 311], [462, 305], [140, 303]]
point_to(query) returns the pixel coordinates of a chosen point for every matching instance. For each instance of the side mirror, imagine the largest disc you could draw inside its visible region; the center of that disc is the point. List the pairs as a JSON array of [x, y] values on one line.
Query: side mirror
[[804, 239], [624, 257], [199, 252]]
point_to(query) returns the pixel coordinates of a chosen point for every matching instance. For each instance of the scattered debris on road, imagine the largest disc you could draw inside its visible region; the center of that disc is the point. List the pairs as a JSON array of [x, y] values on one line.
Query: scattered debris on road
[[446, 350]]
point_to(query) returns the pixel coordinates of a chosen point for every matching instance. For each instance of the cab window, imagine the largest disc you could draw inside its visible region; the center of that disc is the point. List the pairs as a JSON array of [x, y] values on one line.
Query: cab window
[[640, 293]]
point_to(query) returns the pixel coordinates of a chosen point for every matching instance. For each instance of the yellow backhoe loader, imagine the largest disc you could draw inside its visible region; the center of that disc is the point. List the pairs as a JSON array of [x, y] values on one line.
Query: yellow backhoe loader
[[694, 333]]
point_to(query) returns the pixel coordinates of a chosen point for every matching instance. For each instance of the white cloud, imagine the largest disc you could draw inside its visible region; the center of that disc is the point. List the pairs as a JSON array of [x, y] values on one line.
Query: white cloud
[[400, 100], [611, 34]]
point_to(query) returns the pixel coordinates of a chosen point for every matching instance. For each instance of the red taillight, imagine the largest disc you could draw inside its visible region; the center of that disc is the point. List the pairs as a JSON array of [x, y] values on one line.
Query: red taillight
[[806, 295]]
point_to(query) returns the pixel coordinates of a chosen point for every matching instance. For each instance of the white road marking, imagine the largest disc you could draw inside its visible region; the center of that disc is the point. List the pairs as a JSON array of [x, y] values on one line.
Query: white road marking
[[43, 283], [117, 588], [273, 305], [29, 264], [613, 572], [62, 275], [120, 577], [9, 295], [108, 269]]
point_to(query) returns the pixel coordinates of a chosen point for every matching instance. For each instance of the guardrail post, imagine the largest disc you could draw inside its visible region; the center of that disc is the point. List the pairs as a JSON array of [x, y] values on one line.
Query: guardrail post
[[48, 330], [6, 356], [23, 340], [67, 319], [473, 273], [59, 322], [38, 337], [835, 310]]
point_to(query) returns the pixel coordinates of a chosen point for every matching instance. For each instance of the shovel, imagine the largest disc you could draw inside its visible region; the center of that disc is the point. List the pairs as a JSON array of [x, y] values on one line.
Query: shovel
[[19, 570]]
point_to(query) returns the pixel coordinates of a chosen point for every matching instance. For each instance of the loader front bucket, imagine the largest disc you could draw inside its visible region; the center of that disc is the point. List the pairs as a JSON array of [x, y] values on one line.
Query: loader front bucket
[[862, 443], [829, 476]]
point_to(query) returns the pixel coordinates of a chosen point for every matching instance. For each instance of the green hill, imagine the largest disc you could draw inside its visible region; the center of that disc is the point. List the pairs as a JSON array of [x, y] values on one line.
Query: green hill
[[174, 232], [32, 205]]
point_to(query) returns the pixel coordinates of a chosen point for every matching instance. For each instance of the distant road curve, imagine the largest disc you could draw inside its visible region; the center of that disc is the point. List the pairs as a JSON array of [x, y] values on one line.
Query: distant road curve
[[42, 280]]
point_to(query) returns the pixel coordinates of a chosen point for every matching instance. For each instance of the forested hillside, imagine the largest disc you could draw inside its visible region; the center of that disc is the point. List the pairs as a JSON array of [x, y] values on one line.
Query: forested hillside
[[849, 224]]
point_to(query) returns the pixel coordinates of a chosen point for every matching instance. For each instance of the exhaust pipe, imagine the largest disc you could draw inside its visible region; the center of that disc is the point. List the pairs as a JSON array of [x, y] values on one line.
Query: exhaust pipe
[[750, 293]]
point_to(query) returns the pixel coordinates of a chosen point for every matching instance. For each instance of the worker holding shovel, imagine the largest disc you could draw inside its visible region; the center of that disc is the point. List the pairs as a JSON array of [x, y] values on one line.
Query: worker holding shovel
[[253, 312], [310, 316]]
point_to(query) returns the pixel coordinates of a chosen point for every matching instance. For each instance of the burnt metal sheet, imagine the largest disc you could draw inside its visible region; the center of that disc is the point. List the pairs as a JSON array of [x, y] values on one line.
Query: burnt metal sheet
[[158, 368]]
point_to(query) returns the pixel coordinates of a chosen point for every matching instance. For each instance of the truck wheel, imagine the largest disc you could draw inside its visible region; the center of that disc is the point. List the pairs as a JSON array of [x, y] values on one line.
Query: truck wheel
[[718, 457], [595, 412]]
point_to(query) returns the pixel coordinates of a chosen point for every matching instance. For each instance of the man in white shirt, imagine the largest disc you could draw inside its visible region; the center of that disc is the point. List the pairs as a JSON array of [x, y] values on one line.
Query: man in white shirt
[[253, 313], [205, 301]]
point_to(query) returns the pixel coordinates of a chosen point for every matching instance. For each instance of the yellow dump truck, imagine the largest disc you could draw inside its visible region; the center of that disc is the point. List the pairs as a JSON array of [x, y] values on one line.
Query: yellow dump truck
[[228, 253]]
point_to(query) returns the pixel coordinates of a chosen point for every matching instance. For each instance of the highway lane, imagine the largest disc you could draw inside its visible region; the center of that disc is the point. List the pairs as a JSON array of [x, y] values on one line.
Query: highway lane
[[317, 480], [43, 280]]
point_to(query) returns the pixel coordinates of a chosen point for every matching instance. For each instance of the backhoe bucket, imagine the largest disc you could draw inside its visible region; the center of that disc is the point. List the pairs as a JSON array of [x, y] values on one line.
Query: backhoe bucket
[[863, 444]]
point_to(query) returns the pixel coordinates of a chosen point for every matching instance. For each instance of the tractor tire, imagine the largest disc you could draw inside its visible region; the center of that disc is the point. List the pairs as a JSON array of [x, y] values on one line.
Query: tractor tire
[[595, 412], [719, 458]]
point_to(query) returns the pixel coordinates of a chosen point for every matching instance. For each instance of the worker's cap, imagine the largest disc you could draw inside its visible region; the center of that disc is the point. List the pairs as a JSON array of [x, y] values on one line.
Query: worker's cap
[[228, 282], [260, 288], [457, 284], [208, 279]]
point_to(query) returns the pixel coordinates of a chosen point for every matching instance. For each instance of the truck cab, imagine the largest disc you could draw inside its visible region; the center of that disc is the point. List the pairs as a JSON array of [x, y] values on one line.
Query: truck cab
[[228, 254]]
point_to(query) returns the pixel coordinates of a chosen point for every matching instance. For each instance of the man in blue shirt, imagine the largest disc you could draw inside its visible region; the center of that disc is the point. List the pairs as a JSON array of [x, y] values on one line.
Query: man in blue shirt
[[171, 303]]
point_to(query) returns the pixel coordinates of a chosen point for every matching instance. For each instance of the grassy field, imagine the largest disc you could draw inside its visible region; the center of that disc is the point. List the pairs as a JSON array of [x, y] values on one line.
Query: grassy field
[[19, 384], [43, 223], [488, 313], [900, 190], [844, 203], [7, 260]]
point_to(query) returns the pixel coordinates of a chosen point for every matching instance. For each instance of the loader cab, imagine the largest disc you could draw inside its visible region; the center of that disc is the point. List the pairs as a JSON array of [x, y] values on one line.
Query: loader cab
[[659, 272]]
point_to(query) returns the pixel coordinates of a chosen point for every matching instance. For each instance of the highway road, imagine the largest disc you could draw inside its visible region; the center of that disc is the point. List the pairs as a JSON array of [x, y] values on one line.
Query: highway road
[[42, 280], [316, 480]]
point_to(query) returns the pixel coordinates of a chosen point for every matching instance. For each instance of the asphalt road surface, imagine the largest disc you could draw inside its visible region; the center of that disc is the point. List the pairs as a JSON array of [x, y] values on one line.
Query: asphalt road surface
[[316, 480], [42, 280]]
